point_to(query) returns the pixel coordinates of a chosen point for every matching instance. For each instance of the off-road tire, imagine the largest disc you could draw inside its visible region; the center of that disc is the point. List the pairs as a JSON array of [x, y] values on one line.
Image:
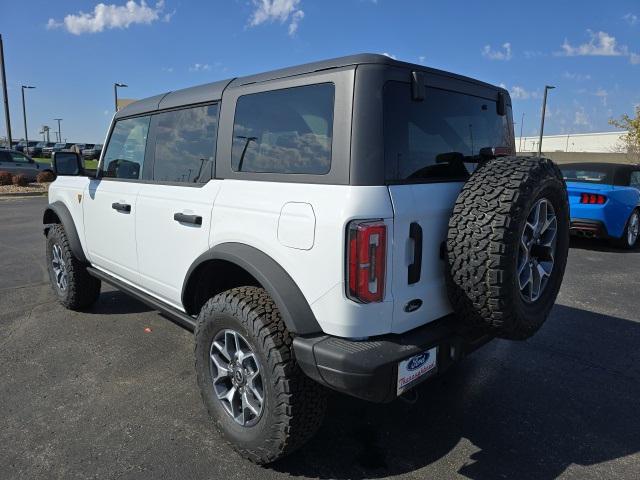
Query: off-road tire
[[623, 242], [483, 242], [294, 404], [82, 289]]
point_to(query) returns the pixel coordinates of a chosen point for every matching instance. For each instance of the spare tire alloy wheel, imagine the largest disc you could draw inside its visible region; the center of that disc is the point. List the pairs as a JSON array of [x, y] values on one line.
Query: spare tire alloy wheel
[[537, 250], [237, 381]]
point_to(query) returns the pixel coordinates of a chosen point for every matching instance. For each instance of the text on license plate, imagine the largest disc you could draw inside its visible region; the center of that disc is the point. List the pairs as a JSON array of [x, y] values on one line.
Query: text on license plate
[[417, 367]]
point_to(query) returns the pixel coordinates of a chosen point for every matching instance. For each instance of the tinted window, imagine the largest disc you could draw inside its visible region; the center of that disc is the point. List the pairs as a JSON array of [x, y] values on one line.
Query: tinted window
[[125, 153], [185, 144], [593, 174], [635, 179], [434, 139], [284, 131], [19, 158]]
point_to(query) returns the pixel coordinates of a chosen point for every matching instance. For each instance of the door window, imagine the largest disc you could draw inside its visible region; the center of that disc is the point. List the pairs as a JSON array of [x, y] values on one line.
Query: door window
[[635, 179], [185, 144], [284, 131], [125, 153], [19, 158]]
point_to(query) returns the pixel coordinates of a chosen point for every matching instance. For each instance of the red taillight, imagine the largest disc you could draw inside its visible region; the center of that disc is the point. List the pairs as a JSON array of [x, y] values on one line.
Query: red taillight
[[366, 260], [593, 198]]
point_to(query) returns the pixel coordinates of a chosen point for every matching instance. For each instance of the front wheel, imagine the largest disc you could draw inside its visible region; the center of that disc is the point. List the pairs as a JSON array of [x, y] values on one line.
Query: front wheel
[[260, 400], [70, 281], [629, 239]]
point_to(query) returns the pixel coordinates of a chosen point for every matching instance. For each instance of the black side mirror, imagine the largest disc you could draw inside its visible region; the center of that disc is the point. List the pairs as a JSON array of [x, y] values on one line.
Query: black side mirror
[[67, 163]]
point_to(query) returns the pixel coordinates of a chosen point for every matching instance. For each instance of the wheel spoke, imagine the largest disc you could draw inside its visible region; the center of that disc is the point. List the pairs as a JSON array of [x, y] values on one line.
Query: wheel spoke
[[221, 369]]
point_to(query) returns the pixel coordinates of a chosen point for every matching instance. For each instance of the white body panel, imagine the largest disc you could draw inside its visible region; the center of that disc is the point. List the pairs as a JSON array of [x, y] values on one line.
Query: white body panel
[[301, 226], [167, 248]]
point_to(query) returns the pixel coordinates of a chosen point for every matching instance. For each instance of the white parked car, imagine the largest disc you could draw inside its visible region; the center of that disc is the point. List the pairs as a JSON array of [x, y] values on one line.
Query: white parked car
[[359, 224]]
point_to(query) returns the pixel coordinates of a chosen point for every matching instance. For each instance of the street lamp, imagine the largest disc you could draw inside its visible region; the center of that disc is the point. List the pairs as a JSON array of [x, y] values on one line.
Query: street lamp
[[59, 131], [115, 91], [24, 114], [544, 111]]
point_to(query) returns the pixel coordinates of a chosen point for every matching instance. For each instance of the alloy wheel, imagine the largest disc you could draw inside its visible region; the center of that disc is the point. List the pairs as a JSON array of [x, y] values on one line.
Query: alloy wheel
[[59, 267], [537, 250], [237, 377]]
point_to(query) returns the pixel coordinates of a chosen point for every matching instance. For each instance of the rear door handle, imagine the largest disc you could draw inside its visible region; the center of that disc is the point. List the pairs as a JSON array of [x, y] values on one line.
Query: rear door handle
[[184, 218], [121, 207], [415, 269]]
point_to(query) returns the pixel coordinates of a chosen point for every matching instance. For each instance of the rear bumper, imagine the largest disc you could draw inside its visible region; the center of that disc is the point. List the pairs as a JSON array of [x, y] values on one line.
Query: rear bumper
[[369, 369], [585, 227]]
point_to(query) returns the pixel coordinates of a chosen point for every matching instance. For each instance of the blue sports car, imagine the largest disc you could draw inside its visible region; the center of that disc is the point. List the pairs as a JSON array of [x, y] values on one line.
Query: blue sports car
[[604, 199]]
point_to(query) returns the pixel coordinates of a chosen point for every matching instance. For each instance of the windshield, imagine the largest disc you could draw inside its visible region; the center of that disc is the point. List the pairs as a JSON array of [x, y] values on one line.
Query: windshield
[[59, 145], [430, 140], [587, 173]]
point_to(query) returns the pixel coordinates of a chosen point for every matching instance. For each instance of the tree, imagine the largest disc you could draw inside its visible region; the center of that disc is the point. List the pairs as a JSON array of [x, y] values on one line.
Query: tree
[[631, 139]]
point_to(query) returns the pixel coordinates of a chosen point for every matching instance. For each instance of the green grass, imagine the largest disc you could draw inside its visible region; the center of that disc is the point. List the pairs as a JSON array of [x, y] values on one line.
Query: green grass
[[91, 164]]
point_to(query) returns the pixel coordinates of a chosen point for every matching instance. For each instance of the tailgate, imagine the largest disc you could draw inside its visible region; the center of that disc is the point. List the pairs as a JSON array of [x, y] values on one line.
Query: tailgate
[[428, 207]]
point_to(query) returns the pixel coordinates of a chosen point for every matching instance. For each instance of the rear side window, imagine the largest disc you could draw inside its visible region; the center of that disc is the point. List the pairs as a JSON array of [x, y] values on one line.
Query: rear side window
[[635, 179], [124, 157], [435, 140], [185, 144], [284, 131]]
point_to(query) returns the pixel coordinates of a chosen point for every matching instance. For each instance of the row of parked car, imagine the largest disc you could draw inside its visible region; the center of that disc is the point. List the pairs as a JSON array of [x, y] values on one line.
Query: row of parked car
[[90, 151]]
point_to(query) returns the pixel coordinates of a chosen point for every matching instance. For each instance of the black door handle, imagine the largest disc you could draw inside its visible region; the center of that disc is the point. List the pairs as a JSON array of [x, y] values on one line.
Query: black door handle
[[184, 218], [415, 269], [121, 207]]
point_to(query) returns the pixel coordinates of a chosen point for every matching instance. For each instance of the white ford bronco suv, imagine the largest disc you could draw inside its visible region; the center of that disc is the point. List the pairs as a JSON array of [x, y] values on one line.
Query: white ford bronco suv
[[359, 224]]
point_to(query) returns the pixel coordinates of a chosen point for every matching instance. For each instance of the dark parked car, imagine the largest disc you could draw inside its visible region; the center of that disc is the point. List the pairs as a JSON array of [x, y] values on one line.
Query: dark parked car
[[47, 151], [36, 150], [20, 146], [92, 153], [18, 163]]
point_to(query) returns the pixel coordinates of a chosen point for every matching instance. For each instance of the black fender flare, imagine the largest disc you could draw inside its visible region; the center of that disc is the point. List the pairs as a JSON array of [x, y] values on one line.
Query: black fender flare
[[60, 210], [296, 312]]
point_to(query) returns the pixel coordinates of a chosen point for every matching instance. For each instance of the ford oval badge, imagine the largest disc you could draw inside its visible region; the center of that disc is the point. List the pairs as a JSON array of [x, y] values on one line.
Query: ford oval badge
[[413, 305], [417, 361]]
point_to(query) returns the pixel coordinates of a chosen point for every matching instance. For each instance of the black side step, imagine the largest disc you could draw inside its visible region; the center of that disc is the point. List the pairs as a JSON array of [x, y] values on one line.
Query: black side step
[[173, 314]]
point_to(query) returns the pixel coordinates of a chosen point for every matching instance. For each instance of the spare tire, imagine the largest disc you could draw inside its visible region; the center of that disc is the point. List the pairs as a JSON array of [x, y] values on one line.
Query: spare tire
[[507, 245]]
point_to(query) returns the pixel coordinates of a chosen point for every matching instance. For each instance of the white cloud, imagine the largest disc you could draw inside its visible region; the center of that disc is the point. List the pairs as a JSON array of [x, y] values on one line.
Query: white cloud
[[200, 67], [603, 95], [283, 11], [600, 44], [578, 77], [105, 17], [422, 59], [167, 69], [520, 93], [499, 54], [389, 55], [581, 118], [631, 18]]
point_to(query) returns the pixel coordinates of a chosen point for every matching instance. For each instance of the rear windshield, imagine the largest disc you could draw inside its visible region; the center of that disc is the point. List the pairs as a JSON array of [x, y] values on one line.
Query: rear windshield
[[434, 140], [589, 174]]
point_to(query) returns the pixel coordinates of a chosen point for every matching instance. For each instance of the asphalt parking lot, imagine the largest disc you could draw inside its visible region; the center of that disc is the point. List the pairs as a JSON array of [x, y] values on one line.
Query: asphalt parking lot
[[91, 395]]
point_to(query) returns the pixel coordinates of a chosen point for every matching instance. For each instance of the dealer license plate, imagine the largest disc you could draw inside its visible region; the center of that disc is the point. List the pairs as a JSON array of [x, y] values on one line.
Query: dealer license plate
[[415, 369]]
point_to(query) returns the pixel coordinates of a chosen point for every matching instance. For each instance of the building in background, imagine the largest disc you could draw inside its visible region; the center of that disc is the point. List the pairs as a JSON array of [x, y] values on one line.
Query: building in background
[[579, 147]]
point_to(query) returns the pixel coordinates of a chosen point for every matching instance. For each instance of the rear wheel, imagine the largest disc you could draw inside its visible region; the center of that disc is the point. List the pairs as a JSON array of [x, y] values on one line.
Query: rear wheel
[[629, 239], [507, 245], [260, 400]]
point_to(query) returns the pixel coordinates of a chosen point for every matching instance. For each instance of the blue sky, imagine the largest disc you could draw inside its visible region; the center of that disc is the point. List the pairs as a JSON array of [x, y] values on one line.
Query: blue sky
[[73, 51]]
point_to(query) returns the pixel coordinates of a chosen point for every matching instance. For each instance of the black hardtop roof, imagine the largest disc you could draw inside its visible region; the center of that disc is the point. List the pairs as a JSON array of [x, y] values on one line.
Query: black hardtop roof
[[213, 91], [600, 165]]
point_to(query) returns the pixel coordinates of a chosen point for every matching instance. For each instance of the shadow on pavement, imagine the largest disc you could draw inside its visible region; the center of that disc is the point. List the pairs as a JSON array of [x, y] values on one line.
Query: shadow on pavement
[[115, 302], [596, 245], [511, 410]]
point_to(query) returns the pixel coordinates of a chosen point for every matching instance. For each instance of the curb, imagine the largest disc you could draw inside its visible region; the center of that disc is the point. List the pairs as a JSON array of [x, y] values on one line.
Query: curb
[[23, 194]]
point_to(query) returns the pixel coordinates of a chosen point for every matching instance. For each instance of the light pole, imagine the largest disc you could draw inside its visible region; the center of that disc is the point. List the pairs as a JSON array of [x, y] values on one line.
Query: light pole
[[7, 118], [24, 114], [59, 132], [115, 91], [544, 111], [521, 127]]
